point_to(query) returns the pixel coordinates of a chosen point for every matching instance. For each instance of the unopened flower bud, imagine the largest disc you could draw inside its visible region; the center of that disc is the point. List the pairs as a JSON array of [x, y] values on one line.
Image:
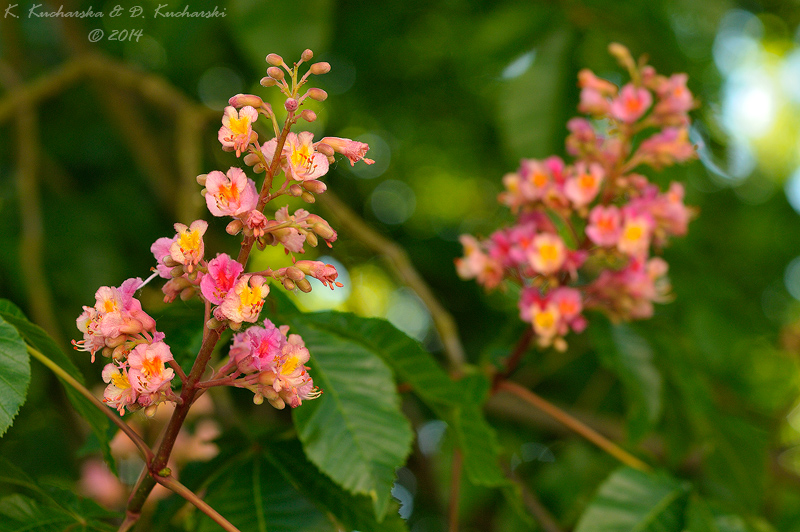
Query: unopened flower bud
[[201, 179], [250, 159], [188, 293], [177, 271], [324, 230], [213, 324], [234, 227], [169, 262], [311, 238], [325, 149], [307, 55], [203, 192], [315, 186], [266, 378], [278, 403], [261, 243], [308, 197], [108, 352], [295, 190], [308, 115], [150, 411], [304, 285], [291, 105], [317, 94], [120, 352], [267, 81], [258, 399], [294, 273], [320, 68], [275, 73], [288, 284], [240, 100], [274, 60]]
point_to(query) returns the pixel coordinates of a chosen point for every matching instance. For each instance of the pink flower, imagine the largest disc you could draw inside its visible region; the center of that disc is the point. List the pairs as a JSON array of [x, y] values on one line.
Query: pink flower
[[352, 149], [595, 93], [160, 249], [635, 234], [631, 104], [325, 273], [257, 223], [230, 195], [244, 301], [188, 247], [665, 148], [548, 253], [676, 100], [604, 225], [583, 188], [148, 374], [476, 264], [304, 162], [236, 132], [119, 393], [258, 348], [221, 278]]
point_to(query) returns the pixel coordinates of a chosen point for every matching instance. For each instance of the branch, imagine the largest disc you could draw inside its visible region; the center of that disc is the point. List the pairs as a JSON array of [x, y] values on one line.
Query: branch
[[455, 490], [147, 454], [170, 482], [405, 271], [562, 417]]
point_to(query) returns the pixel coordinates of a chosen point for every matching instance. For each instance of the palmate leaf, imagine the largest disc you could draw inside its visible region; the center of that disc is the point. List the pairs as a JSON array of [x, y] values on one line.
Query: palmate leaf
[[633, 501], [36, 337], [460, 404], [251, 494], [355, 432], [15, 374], [51, 509], [354, 512]]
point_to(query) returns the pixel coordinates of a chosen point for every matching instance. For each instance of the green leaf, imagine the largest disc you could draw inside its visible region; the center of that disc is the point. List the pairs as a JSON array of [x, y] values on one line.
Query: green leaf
[[530, 125], [37, 338], [53, 508], [355, 432], [15, 374], [353, 511], [633, 501], [251, 494], [460, 404], [630, 357]]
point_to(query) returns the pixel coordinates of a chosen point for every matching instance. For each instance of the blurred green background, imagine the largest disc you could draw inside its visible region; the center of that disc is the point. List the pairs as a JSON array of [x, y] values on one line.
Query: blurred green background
[[96, 163]]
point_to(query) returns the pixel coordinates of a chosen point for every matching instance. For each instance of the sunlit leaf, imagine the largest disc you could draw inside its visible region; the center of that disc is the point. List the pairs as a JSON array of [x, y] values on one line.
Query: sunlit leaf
[[354, 432]]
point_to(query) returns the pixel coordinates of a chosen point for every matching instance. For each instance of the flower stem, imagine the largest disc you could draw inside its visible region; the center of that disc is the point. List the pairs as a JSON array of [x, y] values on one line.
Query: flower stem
[[172, 483], [562, 417], [66, 377]]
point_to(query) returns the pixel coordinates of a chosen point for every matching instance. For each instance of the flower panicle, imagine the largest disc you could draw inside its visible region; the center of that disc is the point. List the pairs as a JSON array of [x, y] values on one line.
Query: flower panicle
[[611, 218]]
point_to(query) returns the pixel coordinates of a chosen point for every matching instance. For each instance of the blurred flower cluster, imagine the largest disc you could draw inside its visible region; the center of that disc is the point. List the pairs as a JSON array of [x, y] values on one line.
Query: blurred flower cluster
[[263, 358], [584, 232]]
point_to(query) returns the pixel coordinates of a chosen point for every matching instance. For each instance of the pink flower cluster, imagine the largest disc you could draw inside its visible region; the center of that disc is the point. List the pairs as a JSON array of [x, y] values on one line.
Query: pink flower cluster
[[584, 231], [274, 365], [119, 328]]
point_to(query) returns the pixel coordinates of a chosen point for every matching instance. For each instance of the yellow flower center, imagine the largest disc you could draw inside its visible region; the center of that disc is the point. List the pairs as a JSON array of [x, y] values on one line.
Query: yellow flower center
[[118, 380], [549, 253], [189, 240], [301, 155], [250, 296], [289, 366], [239, 125], [545, 320], [633, 232]]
